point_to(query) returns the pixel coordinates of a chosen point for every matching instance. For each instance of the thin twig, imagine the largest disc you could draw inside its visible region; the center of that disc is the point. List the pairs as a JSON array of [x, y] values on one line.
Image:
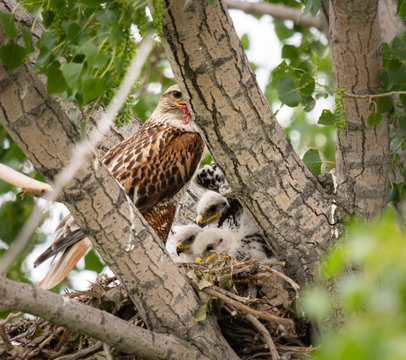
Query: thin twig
[[371, 96], [280, 12], [83, 353], [107, 351], [265, 335], [292, 283], [7, 343]]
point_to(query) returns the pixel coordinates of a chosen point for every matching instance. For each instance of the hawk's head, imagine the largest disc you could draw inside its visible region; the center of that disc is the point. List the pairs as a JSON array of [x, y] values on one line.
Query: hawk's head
[[172, 109], [210, 208]]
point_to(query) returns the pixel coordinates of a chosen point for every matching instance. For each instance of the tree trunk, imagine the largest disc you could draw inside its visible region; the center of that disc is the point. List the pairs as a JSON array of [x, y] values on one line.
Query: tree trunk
[[164, 298], [362, 158], [265, 173]]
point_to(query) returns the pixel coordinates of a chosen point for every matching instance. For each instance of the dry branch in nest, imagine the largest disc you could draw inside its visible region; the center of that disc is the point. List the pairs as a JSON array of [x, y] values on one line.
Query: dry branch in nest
[[254, 305]]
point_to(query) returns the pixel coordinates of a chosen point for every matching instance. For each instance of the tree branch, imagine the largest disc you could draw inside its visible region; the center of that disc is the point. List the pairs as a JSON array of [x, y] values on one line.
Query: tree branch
[[96, 323], [280, 12]]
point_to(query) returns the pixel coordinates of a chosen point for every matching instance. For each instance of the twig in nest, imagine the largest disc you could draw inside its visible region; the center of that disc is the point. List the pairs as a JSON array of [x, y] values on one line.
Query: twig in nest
[[107, 351], [7, 343], [84, 353], [292, 283], [3, 334], [265, 335], [287, 323]]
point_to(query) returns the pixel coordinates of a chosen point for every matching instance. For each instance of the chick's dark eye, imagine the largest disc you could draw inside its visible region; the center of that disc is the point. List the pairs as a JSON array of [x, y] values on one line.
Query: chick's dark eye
[[209, 247], [192, 238], [177, 94], [212, 208]]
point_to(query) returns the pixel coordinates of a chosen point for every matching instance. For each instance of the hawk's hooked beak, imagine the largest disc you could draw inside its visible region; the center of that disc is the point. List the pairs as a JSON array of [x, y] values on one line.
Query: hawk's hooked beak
[[180, 247], [202, 221], [180, 104]]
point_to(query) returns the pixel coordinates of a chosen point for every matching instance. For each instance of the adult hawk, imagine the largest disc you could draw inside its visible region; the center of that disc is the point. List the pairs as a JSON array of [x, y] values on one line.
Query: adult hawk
[[154, 166]]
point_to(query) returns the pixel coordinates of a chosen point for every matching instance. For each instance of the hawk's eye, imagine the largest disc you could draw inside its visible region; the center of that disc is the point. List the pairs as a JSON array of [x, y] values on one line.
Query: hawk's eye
[[192, 238], [212, 208], [177, 94], [209, 247]]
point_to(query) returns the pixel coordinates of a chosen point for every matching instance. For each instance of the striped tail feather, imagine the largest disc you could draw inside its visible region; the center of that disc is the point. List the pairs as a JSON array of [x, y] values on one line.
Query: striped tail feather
[[65, 264]]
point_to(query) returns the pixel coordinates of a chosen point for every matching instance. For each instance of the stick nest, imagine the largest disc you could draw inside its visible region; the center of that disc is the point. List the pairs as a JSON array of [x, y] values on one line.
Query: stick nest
[[254, 305]]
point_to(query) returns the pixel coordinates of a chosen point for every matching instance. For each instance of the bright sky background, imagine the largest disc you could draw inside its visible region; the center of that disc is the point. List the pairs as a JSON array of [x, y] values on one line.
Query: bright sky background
[[264, 51]]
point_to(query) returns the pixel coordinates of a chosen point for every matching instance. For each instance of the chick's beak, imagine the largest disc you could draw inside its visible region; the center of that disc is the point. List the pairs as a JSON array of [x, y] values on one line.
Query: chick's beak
[[211, 257], [202, 221]]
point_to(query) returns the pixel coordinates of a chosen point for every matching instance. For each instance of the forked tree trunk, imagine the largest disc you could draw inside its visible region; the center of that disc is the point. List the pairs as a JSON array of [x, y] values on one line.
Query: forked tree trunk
[[265, 173]]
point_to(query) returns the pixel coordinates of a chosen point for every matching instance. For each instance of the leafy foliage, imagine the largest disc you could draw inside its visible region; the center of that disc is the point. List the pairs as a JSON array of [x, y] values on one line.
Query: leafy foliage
[[86, 49], [372, 298]]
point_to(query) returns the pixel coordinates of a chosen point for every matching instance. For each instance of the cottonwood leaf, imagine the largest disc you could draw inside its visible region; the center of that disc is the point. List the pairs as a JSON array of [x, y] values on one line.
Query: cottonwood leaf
[[288, 92], [7, 22], [201, 312], [313, 161], [327, 118], [374, 118], [13, 55]]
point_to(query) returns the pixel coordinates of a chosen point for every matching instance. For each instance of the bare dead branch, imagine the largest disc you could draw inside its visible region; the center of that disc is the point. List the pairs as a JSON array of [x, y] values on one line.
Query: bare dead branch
[[280, 12], [96, 323], [27, 184]]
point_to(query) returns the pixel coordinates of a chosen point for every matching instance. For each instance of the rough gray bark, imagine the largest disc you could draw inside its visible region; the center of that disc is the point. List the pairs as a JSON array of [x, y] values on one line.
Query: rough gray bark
[[116, 332], [164, 298], [266, 175], [362, 158]]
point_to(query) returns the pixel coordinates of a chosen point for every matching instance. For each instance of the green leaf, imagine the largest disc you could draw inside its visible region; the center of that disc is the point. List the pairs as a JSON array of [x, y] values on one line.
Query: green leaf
[[73, 32], [401, 9], [398, 47], [95, 57], [201, 312], [56, 83], [13, 55], [374, 119], [92, 262], [48, 17], [307, 85], [290, 52], [71, 73], [327, 118], [312, 7], [396, 72], [313, 162], [7, 22], [308, 103], [385, 104], [92, 87], [401, 121], [281, 30], [288, 92], [204, 284], [27, 36], [245, 42], [47, 40]]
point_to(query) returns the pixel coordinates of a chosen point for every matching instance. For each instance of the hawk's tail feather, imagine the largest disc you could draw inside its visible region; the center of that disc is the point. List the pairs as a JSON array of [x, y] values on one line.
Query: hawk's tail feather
[[65, 264]]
